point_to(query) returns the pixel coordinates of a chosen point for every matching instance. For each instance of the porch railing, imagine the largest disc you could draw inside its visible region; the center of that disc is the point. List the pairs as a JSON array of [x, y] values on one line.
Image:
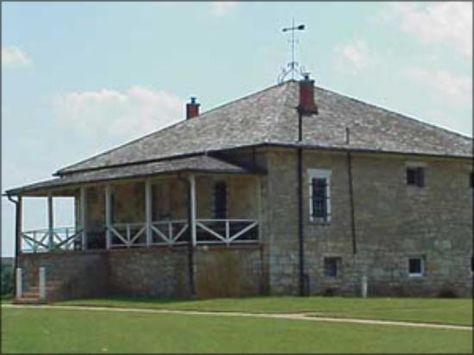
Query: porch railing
[[127, 235], [175, 232], [212, 231], [44, 240]]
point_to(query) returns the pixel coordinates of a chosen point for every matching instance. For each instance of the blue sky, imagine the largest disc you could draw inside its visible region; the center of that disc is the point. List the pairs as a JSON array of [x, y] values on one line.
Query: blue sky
[[79, 78]]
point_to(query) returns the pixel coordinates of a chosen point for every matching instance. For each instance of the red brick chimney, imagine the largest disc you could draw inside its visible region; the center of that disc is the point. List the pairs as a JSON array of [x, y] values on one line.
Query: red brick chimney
[[307, 105], [192, 109]]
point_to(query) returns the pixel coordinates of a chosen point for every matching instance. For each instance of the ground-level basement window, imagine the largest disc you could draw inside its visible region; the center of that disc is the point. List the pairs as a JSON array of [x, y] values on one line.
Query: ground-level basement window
[[319, 195], [416, 176], [416, 267], [332, 266]]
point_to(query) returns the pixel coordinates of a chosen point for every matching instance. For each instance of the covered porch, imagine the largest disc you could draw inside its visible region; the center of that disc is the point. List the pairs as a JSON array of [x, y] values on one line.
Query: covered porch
[[219, 204]]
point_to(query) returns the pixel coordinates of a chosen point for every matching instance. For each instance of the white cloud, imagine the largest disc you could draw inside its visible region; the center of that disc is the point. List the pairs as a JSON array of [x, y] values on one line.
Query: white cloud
[[442, 22], [443, 84], [14, 57], [353, 57], [119, 114], [220, 8]]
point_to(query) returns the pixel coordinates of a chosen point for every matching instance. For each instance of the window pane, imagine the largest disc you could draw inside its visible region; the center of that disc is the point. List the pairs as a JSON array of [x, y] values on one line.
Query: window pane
[[331, 266], [411, 176], [415, 266], [319, 186]]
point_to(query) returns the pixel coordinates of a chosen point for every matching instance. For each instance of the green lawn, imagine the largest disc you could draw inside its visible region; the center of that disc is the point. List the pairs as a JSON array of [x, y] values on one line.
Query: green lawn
[[435, 310], [62, 330]]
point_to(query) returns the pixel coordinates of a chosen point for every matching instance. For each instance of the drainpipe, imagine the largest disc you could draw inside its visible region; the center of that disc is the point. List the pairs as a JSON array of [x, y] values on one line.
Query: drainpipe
[[351, 193], [192, 285], [300, 207], [18, 204]]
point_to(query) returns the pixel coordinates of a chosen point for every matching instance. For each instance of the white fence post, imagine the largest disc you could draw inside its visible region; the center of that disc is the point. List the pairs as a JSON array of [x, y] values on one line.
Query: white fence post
[[19, 282], [42, 283], [364, 286]]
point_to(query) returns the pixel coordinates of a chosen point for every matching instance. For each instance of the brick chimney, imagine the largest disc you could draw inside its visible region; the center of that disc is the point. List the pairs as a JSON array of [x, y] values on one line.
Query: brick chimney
[[192, 109], [307, 106]]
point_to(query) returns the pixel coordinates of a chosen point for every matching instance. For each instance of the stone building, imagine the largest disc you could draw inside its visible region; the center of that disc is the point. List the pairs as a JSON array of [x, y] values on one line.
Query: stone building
[[291, 190]]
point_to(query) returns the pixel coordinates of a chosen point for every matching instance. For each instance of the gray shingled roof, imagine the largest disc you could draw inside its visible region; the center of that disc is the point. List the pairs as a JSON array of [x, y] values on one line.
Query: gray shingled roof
[[201, 163], [269, 117]]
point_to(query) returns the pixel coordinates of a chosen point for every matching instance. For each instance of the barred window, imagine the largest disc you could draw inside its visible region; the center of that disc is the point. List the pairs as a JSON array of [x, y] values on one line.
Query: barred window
[[319, 192], [320, 200], [416, 176], [220, 200]]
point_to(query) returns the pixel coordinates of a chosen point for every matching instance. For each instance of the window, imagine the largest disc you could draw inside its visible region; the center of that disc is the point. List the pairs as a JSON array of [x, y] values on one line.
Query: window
[[220, 200], [416, 267], [471, 180], [416, 176], [319, 195], [332, 267]]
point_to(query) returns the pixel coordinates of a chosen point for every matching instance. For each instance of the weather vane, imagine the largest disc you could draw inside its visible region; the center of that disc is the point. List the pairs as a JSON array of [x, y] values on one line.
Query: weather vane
[[293, 66]]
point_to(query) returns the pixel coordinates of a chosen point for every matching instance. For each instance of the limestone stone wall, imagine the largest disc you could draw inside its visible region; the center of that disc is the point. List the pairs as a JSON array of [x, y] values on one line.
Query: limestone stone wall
[[228, 271], [147, 272], [75, 275], [393, 222], [157, 272]]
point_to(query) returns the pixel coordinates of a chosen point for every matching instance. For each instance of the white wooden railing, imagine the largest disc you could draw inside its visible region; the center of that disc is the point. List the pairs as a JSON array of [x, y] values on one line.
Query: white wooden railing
[[44, 240], [126, 235], [169, 232], [211, 231], [175, 232]]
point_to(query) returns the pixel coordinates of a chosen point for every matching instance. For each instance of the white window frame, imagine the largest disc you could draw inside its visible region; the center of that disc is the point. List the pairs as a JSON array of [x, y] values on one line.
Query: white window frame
[[416, 274], [319, 174]]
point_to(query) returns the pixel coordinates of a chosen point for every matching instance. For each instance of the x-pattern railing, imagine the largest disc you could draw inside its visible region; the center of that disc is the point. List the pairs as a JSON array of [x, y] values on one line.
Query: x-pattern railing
[[227, 230], [169, 232], [128, 234], [44, 240]]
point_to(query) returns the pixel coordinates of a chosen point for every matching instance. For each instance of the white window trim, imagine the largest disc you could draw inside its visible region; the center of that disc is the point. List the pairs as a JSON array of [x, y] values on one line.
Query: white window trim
[[416, 274], [321, 174]]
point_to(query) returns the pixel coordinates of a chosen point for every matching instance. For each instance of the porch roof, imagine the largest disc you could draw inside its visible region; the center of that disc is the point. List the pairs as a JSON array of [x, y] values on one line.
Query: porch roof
[[199, 163]]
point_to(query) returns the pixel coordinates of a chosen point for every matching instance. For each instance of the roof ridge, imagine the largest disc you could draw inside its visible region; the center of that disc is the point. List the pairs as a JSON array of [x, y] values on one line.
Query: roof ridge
[[388, 110]]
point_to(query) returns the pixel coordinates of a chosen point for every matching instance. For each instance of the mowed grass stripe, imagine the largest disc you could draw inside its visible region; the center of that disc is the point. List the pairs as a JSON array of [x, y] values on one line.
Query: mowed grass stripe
[[58, 330], [435, 310]]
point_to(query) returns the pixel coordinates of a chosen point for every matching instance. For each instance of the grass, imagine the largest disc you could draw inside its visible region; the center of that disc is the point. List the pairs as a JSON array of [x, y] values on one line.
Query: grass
[[62, 330], [435, 310]]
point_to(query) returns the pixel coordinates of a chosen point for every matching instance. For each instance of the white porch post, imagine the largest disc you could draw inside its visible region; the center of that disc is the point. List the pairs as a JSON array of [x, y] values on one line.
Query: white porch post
[[148, 209], [19, 283], [108, 216], [42, 283], [192, 183], [259, 206], [50, 221], [83, 202]]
